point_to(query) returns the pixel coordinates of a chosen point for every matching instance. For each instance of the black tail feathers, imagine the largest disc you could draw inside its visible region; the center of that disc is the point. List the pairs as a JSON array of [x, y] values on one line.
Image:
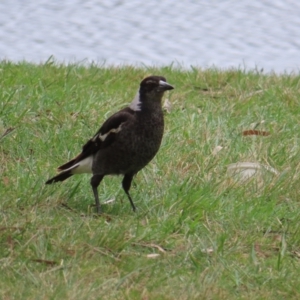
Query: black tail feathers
[[60, 177]]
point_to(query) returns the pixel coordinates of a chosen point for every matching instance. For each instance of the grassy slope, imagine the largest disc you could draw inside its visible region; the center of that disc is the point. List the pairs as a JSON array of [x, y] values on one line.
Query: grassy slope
[[214, 239]]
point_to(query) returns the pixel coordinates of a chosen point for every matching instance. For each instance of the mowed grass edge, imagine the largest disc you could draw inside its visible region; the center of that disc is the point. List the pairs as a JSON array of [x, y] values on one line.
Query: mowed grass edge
[[198, 233]]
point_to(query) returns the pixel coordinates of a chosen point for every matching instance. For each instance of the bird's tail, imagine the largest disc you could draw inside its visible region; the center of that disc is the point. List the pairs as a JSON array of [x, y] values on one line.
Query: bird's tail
[[60, 177], [72, 167]]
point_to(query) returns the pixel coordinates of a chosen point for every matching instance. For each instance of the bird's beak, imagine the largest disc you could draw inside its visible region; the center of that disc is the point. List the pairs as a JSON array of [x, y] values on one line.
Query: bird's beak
[[164, 86]]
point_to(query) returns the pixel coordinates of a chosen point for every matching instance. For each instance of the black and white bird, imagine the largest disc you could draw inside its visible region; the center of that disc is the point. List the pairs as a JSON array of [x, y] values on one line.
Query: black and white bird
[[125, 143]]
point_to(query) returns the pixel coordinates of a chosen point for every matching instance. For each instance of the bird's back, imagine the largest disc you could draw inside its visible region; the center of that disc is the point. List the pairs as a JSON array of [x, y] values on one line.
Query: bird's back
[[134, 146]]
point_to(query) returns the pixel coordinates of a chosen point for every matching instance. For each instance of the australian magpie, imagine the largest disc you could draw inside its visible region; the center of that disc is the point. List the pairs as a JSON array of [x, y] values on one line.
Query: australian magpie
[[125, 143]]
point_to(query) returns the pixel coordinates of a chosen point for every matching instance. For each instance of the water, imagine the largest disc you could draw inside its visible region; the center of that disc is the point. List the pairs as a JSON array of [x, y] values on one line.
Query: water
[[252, 34]]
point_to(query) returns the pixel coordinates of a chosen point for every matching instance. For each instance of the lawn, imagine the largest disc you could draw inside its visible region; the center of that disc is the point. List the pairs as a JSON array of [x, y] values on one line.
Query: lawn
[[198, 233]]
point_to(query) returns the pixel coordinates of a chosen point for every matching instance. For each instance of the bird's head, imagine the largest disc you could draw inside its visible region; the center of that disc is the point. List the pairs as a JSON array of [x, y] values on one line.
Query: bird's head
[[154, 85], [150, 94]]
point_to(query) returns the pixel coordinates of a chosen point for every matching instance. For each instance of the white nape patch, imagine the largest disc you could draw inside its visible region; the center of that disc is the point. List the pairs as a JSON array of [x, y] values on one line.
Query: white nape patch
[[102, 137], [84, 166], [136, 103]]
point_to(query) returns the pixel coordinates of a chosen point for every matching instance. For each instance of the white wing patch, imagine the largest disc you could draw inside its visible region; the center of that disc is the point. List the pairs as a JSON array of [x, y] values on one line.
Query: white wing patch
[[136, 103], [102, 137]]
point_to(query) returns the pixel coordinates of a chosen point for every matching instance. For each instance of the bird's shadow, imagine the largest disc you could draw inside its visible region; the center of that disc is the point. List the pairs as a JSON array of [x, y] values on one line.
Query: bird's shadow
[[85, 206]]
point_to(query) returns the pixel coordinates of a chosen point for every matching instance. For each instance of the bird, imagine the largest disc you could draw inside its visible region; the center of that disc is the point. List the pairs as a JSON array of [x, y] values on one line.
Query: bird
[[125, 143]]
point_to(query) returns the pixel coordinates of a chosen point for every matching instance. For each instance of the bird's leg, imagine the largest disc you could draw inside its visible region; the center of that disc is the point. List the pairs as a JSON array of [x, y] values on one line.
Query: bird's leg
[[95, 181], [126, 183]]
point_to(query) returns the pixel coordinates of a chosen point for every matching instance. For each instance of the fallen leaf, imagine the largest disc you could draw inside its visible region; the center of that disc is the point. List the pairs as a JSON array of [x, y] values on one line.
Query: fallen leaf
[[109, 201], [46, 262], [216, 150], [153, 255], [258, 250], [243, 171], [255, 132], [208, 250], [5, 181]]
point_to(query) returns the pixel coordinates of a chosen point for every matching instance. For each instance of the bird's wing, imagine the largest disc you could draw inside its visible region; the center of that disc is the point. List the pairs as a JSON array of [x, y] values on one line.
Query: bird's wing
[[104, 137]]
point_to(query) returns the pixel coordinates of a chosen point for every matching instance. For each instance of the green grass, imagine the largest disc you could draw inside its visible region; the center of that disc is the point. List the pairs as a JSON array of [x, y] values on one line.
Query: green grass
[[197, 234]]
